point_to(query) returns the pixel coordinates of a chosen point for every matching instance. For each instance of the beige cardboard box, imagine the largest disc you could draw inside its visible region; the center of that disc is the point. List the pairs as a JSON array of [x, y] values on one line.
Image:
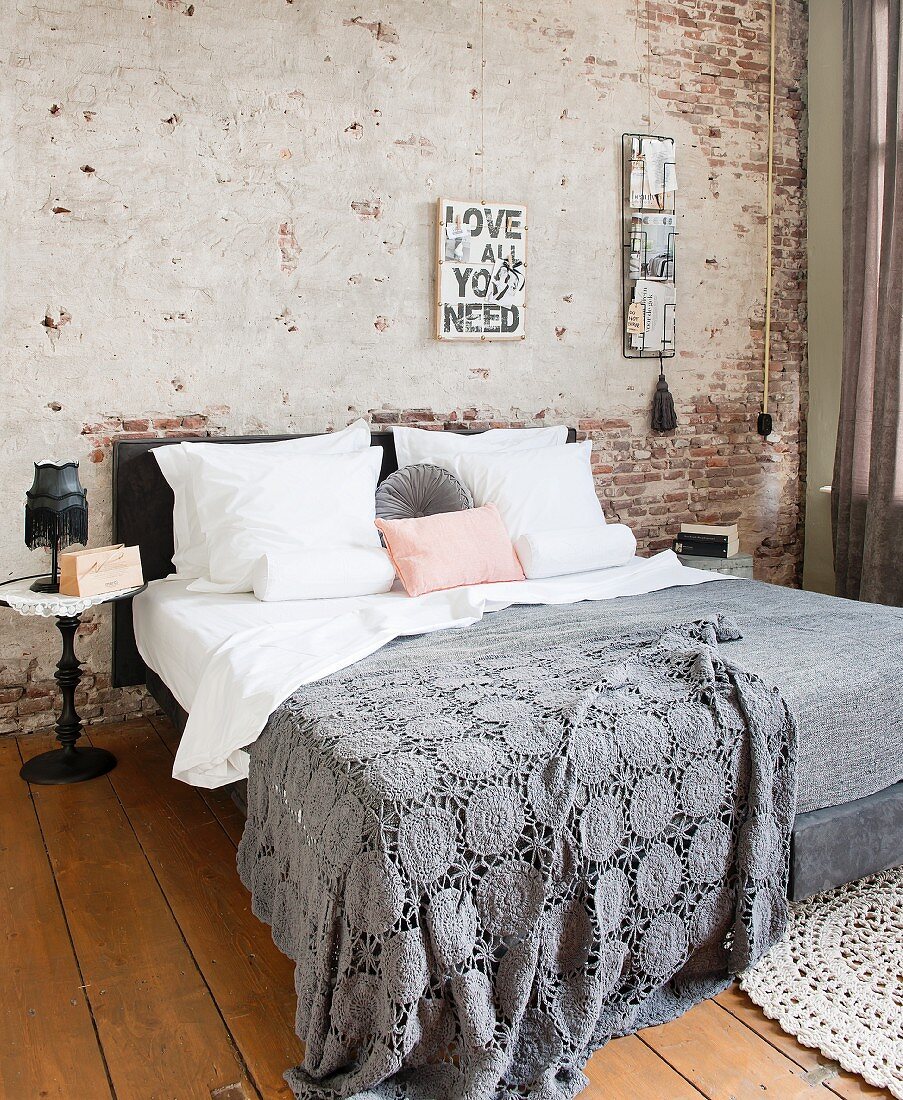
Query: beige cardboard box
[[105, 569]]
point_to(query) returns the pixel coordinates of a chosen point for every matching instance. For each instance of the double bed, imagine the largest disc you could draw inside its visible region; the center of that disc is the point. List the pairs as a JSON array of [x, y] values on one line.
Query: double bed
[[832, 664]]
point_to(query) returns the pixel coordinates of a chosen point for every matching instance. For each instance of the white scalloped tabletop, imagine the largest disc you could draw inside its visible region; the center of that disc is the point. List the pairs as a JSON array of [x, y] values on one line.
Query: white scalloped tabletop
[[19, 596]]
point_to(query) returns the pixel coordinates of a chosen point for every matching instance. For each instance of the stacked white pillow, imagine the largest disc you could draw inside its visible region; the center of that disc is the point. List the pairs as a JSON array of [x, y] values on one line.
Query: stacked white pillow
[[322, 573], [294, 519], [261, 505], [547, 500], [190, 558], [538, 490], [414, 445], [574, 550]]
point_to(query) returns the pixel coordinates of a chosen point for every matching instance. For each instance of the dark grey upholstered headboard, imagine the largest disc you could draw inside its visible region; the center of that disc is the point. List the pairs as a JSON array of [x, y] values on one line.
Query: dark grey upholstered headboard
[[142, 516]]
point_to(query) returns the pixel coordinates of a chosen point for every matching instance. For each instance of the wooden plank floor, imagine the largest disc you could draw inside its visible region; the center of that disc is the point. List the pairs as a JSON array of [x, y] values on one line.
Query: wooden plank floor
[[134, 969]]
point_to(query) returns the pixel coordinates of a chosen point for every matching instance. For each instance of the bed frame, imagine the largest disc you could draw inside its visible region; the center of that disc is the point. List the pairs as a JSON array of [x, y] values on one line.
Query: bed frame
[[829, 847]]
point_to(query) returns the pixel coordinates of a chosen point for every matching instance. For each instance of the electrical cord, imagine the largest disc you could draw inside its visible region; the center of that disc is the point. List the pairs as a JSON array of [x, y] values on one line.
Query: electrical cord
[[31, 577], [769, 215]]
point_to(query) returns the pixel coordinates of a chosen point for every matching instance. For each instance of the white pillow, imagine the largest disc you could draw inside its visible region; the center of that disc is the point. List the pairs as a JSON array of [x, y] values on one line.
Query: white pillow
[[324, 574], [546, 490], [190, 557], [413, 445], [575, 550], [273, 504]]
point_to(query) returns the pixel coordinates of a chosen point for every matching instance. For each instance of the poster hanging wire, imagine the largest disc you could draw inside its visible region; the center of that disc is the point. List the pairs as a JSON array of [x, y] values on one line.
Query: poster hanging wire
[[482, 103], [648, 73]]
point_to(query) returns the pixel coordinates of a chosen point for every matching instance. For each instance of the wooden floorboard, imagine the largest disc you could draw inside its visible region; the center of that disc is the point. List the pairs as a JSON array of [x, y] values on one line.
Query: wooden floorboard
[[47, 1036], [627, 1069], [219, 800], [194, 862], [160, 1029], [127, 886], [726, 1060], [817, 1066]]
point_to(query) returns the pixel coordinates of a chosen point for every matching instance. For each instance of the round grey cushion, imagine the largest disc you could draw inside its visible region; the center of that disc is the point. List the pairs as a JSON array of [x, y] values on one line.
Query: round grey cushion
[[420, 490]]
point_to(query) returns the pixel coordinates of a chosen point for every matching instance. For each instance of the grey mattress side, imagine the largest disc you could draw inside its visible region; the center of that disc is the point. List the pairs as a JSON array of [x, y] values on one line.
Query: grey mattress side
[[822, 855]]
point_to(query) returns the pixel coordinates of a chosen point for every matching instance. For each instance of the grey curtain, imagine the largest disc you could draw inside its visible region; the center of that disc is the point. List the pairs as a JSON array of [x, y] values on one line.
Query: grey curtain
[[867, 499]]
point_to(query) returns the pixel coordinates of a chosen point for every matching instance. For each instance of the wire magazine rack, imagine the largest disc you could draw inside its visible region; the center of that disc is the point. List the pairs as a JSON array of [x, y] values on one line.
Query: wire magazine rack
[[648, 256]]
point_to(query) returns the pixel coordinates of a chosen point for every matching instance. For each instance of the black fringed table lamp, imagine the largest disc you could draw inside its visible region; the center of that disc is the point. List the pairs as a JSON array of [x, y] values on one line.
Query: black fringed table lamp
[[56, 515]]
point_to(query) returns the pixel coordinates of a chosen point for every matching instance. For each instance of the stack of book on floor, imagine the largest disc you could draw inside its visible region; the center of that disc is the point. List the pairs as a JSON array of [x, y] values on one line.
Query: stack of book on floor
[[708, 540]]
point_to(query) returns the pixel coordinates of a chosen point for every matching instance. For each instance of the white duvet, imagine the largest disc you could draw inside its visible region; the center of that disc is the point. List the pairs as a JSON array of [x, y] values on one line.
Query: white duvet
[[232, 660]]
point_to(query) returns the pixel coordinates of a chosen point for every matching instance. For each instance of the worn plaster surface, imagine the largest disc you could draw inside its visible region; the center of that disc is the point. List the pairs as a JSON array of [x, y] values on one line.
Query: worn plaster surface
[[223, 210]]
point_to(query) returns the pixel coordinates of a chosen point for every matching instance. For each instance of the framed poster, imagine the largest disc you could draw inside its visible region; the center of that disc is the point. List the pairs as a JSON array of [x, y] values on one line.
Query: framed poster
[[481, 270]]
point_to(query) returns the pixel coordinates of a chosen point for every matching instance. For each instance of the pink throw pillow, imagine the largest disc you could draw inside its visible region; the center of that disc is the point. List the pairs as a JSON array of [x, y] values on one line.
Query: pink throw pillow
[[451, 549]]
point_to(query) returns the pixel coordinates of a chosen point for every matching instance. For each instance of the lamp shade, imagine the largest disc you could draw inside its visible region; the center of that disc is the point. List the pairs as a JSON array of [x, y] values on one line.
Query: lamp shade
[[56, 506]]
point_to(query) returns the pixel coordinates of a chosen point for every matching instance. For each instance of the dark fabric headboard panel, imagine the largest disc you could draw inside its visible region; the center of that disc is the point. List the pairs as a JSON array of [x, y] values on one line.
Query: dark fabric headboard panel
[[142, 516]]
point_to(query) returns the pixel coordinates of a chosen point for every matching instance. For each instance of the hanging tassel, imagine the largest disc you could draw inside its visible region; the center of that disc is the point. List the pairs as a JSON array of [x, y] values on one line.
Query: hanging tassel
[[664, 418], [44, 527]]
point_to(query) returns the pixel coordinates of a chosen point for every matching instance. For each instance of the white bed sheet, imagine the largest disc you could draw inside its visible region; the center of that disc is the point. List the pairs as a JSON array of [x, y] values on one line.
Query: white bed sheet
[[231, 660], [178, 631]]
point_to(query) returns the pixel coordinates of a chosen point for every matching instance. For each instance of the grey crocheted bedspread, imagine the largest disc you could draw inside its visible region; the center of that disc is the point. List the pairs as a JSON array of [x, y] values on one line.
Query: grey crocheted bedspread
[[491, 850]]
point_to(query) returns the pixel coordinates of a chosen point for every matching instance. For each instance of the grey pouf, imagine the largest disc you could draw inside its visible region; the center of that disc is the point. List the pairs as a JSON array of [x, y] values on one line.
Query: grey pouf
[[420, 490]]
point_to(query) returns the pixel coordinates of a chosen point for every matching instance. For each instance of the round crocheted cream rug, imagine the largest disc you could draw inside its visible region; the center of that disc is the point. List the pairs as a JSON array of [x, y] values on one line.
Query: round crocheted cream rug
[[836, 979]]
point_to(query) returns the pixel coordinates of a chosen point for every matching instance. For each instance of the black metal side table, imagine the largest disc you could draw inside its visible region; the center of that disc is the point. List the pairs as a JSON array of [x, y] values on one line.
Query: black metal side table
[[69, 763]]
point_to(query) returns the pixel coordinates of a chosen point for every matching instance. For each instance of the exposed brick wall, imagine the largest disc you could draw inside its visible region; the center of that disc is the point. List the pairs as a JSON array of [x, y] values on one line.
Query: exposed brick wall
[[712, 468], [29, 699], [711, 67], [262, 261]]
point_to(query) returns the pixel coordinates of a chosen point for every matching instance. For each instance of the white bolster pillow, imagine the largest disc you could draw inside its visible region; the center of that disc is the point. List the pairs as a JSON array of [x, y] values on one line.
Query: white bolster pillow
[[323, 574], [575, 550]]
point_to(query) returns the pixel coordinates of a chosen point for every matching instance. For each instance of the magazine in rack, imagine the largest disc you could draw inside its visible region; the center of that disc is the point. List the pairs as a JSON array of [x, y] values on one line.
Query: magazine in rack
[[650, 232]]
